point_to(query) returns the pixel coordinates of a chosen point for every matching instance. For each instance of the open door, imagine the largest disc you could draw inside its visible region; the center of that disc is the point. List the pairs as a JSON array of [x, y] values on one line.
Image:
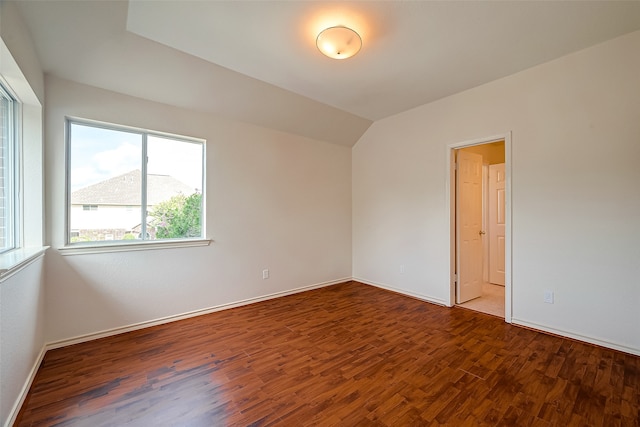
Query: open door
[[469, 258], [496, 224]]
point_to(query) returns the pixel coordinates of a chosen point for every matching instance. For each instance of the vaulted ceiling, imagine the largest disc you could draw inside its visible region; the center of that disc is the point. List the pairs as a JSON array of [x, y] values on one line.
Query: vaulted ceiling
[[256, 61]]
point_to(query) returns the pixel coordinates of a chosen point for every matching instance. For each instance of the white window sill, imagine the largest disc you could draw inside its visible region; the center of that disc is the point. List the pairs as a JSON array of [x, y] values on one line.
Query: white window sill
[[14, 261], [93, 248]]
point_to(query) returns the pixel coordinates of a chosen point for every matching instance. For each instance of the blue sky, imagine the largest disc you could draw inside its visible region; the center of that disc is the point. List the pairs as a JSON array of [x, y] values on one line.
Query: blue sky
[[98, 154]]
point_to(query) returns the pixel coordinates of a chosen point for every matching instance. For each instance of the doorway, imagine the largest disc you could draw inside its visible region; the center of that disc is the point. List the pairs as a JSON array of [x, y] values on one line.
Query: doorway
[[480, 244]]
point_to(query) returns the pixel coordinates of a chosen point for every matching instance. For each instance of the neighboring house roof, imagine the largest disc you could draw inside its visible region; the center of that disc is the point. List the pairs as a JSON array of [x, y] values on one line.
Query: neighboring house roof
[[125, 190]]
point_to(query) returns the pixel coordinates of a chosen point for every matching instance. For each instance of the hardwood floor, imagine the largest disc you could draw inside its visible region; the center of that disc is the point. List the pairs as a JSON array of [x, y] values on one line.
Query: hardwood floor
[[345, 355]]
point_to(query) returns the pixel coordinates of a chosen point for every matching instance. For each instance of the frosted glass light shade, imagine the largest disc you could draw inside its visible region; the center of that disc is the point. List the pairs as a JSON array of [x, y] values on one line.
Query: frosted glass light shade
[[339, 42]]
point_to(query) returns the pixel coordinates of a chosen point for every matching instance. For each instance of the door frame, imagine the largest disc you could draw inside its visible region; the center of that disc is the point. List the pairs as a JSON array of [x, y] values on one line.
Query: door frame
[[451, 206]]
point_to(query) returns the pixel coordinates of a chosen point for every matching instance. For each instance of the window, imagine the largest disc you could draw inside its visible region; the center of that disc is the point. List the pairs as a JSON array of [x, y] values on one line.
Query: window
[[8, 162], [113, 195], [21, 169]]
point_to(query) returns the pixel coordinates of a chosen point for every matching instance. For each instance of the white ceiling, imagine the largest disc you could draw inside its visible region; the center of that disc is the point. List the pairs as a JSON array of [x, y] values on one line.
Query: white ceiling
[[256, 61]]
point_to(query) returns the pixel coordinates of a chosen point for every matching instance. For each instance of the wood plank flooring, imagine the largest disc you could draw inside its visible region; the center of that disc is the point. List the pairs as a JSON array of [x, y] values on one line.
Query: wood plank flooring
[[345, 355]]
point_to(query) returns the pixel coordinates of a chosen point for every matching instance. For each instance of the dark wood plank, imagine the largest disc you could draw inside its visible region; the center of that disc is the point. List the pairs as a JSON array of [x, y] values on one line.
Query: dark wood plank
[[349, 354]]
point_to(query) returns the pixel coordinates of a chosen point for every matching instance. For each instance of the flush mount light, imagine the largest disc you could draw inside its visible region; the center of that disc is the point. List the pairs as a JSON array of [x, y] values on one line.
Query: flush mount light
[[339, 42]]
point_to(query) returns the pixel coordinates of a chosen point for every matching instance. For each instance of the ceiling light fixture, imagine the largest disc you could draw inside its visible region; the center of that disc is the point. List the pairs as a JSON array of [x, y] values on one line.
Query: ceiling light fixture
[[339, 42]]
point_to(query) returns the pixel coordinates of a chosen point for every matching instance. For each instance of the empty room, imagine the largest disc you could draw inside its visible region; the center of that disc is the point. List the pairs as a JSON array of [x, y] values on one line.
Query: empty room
[[298, 213]]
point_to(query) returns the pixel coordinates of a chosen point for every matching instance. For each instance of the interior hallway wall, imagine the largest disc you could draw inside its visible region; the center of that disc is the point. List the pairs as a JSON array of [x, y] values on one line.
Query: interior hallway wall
[[492, 153]]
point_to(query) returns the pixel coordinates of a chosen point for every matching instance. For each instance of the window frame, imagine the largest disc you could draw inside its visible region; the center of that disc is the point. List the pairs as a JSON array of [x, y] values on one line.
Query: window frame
[[13, 231], [29, 220], [70, 248]]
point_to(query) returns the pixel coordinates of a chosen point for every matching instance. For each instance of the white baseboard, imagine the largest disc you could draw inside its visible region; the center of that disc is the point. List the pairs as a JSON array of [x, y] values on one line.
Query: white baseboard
[[576, 336], [421, 297], [13, 414], [517, 322], [115, 331], [174, 318]]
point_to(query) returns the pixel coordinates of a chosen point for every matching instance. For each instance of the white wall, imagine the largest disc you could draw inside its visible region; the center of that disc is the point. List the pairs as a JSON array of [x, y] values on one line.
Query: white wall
[[274, 200], [21, 332], [17, 38], [575, 126], [22, 294]]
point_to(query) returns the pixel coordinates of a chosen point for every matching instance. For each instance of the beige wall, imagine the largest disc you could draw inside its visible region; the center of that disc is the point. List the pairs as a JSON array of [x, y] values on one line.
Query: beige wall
[[492, 153], [575, 193]]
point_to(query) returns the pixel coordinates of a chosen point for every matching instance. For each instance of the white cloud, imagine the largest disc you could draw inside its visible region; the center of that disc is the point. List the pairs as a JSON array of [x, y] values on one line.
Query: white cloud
[[94, 159], [124, 158], [84, 176]]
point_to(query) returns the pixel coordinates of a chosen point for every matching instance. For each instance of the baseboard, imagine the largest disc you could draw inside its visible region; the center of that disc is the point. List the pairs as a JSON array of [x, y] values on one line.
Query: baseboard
[[425, 298], [575, 336], [174, 318], [115, 331], [13, 414], [515, 321]]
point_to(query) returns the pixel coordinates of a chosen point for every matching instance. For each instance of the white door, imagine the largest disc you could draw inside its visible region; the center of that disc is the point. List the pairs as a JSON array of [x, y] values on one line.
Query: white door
[[469, 226], [496, 224]]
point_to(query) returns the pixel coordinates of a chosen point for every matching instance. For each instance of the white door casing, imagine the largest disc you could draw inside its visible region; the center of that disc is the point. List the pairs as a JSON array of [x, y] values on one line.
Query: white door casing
[[497, 224], [469, 226], [450, 186]]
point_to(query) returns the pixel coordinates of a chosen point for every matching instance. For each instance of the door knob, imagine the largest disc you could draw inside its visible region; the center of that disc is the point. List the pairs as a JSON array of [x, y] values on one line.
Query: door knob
[[481, 232]]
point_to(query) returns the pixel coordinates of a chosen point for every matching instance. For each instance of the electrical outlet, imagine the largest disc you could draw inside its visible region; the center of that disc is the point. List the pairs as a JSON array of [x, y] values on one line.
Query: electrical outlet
[[548, 297], [265, 274], [401, 268]]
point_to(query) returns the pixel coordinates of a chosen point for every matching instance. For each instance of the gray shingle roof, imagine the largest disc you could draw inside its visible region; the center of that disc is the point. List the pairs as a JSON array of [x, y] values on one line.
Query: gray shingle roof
[[126, 190]]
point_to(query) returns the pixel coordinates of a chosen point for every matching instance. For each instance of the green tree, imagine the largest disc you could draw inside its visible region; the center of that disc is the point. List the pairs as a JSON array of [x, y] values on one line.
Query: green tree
[[178, 217]]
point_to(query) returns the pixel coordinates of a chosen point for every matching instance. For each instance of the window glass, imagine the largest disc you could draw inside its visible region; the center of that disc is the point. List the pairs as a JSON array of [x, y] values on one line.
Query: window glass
[[8, 182], [174, 188], [116, 196]]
